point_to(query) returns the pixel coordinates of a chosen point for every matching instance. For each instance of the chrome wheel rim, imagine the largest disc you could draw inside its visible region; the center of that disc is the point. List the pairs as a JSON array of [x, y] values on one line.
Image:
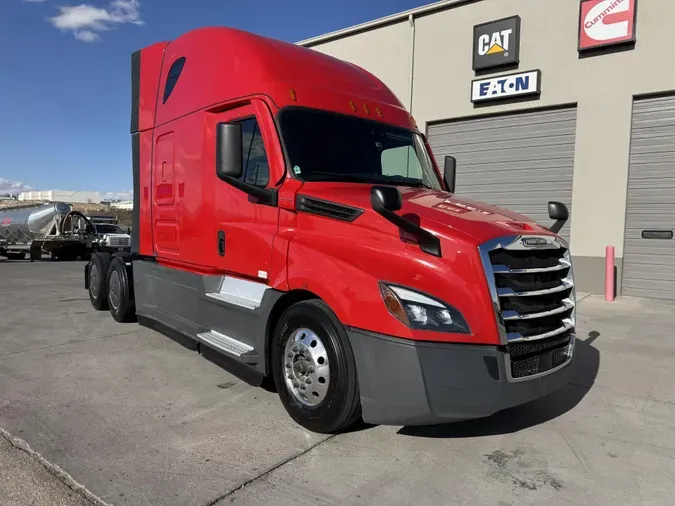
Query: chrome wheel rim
[[305, 367], [93, 280], [115, 289]]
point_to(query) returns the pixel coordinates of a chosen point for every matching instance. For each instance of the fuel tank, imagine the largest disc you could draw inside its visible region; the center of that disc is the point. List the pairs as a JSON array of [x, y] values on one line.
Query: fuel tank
[[25, 224]]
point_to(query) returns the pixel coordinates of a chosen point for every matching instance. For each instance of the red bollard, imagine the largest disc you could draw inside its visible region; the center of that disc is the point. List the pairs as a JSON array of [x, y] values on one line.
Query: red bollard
[[609, 273]]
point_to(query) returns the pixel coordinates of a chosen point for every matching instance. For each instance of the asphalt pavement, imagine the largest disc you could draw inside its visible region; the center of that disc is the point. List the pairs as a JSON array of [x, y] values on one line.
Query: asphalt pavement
[[135, 419]]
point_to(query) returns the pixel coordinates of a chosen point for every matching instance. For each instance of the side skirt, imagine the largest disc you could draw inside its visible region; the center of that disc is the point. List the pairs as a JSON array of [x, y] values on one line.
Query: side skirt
[[222, 317], [244, 372]]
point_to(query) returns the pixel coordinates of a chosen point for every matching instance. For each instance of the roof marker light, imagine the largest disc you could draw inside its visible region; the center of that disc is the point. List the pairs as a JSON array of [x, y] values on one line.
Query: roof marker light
[[379, 112], [294, 97], [352, 105], [365, 108]]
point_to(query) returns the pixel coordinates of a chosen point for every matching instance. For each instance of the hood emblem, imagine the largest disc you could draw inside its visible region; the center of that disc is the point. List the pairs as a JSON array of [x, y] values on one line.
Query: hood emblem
[[534, 242]]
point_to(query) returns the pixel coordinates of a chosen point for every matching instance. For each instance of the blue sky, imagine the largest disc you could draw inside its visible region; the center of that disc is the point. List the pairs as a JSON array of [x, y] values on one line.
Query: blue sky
[[65, 84]]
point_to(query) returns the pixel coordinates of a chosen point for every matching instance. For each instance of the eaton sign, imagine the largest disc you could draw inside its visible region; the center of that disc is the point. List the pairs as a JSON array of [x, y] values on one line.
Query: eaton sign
[[509, 86]]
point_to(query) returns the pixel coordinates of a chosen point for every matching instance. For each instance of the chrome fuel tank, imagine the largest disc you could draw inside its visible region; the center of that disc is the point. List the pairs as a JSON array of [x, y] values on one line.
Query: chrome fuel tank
[[23, 225]]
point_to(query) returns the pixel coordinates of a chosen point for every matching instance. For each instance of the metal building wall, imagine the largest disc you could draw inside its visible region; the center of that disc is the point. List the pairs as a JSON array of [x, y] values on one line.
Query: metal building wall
[[517, 161], [649, 264]]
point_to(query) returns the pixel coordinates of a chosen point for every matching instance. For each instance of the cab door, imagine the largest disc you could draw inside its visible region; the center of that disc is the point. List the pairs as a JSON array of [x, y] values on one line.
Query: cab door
[[245, 229]]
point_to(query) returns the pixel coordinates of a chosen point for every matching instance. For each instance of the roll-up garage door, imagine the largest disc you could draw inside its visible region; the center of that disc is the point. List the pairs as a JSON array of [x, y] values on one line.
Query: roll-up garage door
[[517, 161], [649, 249]]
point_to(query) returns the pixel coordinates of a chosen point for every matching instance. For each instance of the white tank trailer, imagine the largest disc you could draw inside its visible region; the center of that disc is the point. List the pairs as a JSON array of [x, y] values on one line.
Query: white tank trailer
[[52, 228]]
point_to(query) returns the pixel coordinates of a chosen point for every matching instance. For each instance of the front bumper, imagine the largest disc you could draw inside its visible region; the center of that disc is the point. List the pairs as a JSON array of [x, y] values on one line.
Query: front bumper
[[404, 382]]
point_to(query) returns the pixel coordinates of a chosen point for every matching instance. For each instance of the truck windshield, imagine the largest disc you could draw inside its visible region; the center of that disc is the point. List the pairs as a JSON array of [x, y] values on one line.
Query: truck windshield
[[325, 146], [108, 229]]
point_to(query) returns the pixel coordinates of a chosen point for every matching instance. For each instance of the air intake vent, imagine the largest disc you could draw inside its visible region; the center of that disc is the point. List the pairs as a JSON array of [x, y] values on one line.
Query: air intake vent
[[328, 209]]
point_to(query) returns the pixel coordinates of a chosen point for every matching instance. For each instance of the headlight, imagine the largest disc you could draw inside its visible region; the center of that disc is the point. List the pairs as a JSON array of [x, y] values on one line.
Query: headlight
[[421, 312]]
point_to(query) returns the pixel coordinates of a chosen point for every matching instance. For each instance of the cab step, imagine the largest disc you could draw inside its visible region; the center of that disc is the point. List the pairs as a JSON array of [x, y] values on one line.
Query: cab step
[[239, 292], [225, 343], [236, 300]]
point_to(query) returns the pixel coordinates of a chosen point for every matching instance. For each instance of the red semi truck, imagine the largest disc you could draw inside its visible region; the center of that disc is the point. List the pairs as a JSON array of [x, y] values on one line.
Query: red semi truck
[[290, 223]]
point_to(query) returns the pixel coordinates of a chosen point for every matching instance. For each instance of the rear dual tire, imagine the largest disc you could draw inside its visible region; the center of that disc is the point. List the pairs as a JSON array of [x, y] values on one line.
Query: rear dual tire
[[110, 286], [314, 369], [99, 267], [120, 292]]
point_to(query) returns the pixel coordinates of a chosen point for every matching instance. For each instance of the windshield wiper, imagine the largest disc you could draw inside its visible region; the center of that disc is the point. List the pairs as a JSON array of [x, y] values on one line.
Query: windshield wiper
[[406, 181], [341, 177], [368, 178]]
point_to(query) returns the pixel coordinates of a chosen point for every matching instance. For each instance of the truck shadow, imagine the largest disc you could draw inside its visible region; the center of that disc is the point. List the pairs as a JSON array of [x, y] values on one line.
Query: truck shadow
[[585, 366]]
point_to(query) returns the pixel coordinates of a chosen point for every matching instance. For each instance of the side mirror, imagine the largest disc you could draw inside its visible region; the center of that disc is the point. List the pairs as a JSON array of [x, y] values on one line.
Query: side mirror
[[228, 151], [558, 211], [450, 172], [385, 197]]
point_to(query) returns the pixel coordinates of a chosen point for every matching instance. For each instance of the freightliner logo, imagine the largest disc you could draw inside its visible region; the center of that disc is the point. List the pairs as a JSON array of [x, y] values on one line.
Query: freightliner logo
[[533, 242]]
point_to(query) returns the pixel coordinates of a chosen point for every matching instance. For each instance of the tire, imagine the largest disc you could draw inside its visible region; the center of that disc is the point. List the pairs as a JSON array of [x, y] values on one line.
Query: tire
[[120, 292], [16, 256], [325, 409], [99, 265]]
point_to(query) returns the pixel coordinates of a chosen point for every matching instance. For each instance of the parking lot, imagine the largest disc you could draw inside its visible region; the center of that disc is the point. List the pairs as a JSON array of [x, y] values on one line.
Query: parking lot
[[137, 419]]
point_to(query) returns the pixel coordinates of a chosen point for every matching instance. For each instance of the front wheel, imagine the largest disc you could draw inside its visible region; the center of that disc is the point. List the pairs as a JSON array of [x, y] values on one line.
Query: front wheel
[[314, 369]]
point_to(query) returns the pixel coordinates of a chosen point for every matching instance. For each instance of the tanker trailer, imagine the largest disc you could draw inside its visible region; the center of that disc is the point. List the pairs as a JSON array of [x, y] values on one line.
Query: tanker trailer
[[44, 228]]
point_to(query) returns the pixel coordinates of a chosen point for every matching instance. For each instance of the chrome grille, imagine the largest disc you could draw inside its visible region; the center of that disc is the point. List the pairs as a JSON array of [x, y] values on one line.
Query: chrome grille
[[532, 288], [119, 241]]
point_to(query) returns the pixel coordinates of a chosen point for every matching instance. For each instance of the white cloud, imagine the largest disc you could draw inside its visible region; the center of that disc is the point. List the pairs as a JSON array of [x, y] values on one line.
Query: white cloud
[[7, 186], [87, 36], [86, 21], [121, 195]]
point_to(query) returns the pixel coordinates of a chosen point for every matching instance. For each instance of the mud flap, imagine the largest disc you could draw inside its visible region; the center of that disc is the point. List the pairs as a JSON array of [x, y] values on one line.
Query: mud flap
[[35, 251]]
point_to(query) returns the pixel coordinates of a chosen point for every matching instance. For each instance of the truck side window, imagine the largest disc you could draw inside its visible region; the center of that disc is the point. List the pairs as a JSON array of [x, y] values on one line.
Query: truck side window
[[256, 170], [172, 77], [401, 161]]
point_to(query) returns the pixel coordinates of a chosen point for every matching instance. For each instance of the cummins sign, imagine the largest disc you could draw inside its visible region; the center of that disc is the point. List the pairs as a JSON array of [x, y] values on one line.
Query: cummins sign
[[606, 22]]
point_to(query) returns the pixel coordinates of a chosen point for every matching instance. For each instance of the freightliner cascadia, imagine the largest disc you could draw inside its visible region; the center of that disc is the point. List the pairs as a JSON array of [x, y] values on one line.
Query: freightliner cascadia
[[290, 223]]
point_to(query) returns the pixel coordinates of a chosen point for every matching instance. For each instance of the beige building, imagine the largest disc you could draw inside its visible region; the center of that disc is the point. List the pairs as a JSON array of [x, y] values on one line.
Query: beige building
[[546, 100], [71, 197]]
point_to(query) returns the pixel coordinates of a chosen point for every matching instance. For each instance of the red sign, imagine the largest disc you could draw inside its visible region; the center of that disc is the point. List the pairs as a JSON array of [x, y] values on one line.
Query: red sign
[[606, 23]]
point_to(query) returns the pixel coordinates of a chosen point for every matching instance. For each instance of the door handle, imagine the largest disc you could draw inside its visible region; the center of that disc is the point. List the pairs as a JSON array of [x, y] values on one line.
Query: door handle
[[657, 234], [221, 243]]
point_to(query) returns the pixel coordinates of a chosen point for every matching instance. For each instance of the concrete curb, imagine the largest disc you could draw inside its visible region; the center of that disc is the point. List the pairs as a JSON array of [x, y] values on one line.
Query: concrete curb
[[53, 469]]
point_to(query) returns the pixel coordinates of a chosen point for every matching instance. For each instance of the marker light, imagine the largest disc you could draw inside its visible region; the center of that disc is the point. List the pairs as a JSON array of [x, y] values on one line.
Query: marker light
[[366, 108], [294, 97], [379, 112], [394, 304], [352, 105], [421, 312]]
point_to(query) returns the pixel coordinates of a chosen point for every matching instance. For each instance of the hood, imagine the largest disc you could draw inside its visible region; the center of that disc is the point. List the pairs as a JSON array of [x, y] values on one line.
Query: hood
[[440, 212]]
